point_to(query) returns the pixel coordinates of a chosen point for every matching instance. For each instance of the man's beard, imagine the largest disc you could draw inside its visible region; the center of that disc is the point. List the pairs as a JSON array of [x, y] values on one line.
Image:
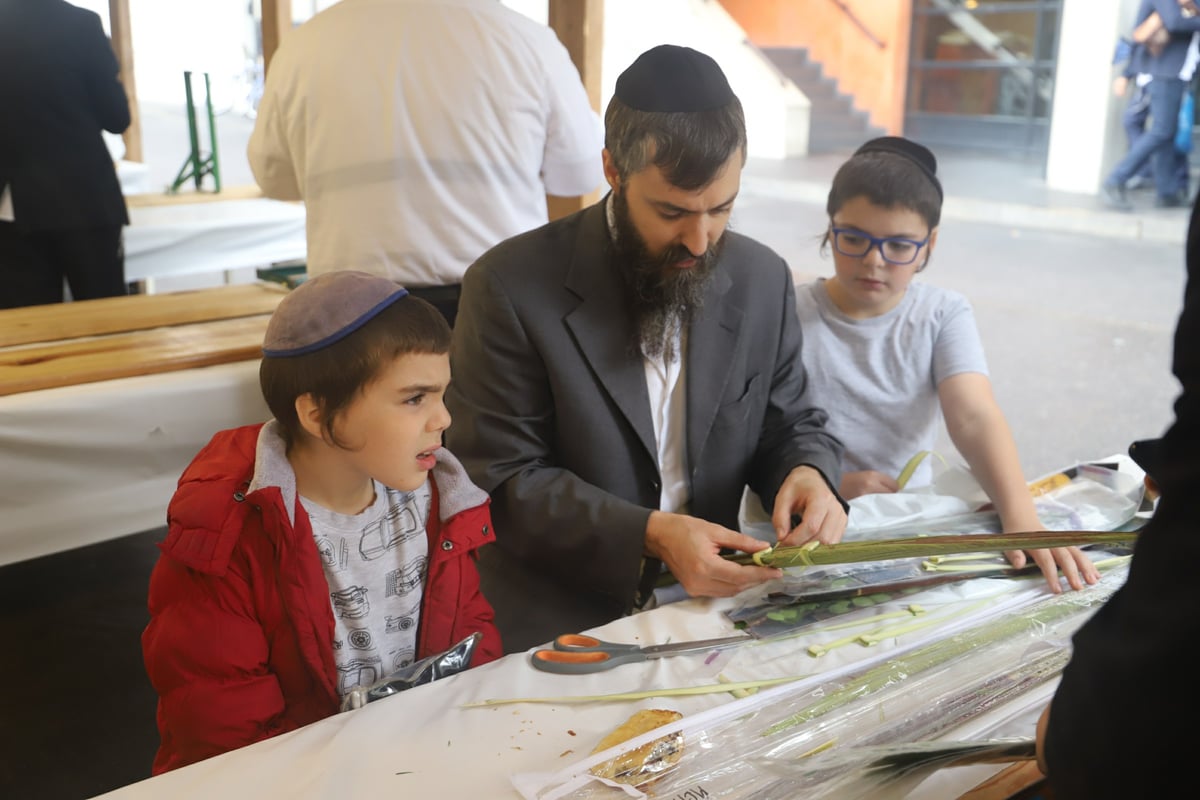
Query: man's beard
[[661, 297]]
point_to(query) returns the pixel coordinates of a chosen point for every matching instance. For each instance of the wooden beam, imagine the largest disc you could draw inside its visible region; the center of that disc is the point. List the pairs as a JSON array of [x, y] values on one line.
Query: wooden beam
[[579, 25], [276, 21], [56, 322], [124, 355], [122, 44]]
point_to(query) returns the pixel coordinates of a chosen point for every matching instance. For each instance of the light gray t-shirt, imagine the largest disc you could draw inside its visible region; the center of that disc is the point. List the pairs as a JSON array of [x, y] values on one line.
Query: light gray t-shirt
[[878, 377], [375, 562]]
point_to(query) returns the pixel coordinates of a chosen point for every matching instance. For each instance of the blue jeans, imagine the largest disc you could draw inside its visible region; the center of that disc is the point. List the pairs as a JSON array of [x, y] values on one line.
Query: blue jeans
[[1157, 144]]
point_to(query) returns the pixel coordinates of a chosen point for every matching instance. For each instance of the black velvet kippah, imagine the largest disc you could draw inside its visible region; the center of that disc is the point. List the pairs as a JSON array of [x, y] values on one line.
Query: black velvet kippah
[[673, 78], [918, 154]]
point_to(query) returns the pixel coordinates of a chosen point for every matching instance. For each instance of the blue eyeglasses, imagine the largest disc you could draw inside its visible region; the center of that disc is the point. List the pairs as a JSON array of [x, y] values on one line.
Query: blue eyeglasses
[[894, 249]]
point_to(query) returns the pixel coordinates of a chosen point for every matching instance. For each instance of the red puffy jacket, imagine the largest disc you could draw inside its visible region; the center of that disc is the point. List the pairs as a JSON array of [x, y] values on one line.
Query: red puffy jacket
[[240, 641]]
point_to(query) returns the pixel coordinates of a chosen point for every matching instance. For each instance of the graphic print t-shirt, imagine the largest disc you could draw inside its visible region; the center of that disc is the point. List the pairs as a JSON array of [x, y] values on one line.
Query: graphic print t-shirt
[[375, 563]]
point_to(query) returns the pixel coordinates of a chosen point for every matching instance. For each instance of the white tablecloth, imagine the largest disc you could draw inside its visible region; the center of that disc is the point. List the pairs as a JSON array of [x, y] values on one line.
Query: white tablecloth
[[423, 743], [214, 236], [81, 464]]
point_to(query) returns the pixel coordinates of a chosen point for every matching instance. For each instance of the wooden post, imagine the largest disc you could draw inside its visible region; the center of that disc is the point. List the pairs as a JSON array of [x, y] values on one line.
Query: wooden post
[[580, 27], [276, 21], [122, 44]]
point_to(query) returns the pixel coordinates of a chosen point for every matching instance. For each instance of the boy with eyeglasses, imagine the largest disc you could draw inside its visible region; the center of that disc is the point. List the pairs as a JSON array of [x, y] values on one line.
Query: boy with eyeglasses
[[886, 354]]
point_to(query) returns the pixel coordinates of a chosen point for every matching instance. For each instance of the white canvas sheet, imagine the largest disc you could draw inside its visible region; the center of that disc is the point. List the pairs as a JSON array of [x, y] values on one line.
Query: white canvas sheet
[[81, 464], [217, 236]]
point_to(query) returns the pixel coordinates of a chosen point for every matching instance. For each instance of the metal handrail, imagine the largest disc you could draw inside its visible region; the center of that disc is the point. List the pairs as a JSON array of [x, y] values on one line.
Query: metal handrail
[[858, 23]]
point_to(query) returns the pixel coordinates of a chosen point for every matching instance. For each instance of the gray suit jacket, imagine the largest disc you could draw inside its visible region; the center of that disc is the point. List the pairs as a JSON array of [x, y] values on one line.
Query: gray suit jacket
[[552, 417]]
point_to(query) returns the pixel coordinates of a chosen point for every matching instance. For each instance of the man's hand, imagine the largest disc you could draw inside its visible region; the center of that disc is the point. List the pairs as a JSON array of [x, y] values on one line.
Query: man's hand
[[1120, 85], [1074, 563], [805, 494], [691, 549], [867, 481]]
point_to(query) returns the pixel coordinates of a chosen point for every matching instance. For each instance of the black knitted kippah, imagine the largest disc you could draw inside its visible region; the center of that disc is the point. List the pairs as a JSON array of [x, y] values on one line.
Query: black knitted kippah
[[918, 154], [673, 78]]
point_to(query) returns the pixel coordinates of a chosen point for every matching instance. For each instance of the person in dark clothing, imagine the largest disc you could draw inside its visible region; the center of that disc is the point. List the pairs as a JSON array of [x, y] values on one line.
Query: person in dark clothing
[[1127, 692], [624, 373], [61, 207], [1165, 89], [1135, 81]]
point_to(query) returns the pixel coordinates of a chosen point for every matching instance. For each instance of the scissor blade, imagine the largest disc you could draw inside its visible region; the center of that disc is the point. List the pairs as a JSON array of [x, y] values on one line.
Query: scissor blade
[[698, 646]]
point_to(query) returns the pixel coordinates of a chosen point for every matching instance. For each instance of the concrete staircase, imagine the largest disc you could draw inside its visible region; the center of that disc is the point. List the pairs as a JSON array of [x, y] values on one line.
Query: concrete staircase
[[836, 126]]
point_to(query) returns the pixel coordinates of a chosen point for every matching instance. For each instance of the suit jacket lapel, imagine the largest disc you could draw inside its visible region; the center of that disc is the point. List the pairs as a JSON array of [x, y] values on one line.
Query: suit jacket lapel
[[600, 322], [712, 341]]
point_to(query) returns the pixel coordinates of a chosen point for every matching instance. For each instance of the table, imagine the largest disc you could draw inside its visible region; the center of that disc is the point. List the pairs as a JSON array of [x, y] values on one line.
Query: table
[[190, 233], [82, 464], [422, 743], [96, 428], [425, 743]]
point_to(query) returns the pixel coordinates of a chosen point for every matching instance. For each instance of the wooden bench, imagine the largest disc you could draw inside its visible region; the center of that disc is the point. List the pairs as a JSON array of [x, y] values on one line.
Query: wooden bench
[[64, 344]]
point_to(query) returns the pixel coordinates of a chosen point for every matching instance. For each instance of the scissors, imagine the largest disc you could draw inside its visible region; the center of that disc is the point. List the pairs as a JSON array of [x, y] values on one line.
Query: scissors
[[578, 654]]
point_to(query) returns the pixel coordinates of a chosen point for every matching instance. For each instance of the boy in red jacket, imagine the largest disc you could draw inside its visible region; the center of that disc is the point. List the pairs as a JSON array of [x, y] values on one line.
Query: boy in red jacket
[[327, 548]]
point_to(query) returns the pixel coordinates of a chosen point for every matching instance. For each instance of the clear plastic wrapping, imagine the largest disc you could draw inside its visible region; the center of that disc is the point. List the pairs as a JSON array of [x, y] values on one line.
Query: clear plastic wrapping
[[764, 746], [1093, 499]]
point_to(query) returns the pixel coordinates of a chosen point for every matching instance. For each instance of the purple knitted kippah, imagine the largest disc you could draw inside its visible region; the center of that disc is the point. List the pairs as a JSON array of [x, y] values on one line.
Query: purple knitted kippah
[[326, 309]]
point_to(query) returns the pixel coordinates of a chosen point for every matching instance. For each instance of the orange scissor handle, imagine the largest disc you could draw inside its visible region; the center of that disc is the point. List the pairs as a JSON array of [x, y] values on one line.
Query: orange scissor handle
[[580, 642], [581, 662]]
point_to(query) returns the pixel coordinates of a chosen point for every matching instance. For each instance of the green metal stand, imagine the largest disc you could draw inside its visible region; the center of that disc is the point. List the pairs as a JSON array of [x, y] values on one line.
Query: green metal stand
[[196, 165]]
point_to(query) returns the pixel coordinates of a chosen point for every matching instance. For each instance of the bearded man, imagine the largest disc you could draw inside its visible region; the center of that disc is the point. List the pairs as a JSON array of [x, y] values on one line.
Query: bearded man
[[620, 376]]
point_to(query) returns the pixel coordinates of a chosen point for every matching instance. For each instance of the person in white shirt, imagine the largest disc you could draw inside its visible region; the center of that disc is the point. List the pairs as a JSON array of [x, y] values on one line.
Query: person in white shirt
[[419, 133]]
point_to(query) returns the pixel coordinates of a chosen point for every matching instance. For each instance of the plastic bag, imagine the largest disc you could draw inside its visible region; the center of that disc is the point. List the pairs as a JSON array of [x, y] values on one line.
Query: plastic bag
[[449, 662], [1187, 120]]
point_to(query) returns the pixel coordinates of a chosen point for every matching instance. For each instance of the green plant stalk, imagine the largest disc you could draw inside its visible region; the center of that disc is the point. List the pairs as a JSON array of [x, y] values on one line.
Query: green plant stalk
[[919, 546], [958, 557], [911, 466], [870, 638], [930, 566], [911, 610], [1045, 612], [623, 696]]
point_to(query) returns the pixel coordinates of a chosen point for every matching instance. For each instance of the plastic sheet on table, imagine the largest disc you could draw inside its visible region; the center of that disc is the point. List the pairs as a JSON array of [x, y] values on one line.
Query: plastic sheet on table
[[858, 773], [805, 597], [916, 692]]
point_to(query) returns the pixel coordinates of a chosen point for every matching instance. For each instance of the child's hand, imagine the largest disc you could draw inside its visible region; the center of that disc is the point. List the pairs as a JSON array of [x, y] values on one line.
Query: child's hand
[[867, 481], [1076, 567]]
